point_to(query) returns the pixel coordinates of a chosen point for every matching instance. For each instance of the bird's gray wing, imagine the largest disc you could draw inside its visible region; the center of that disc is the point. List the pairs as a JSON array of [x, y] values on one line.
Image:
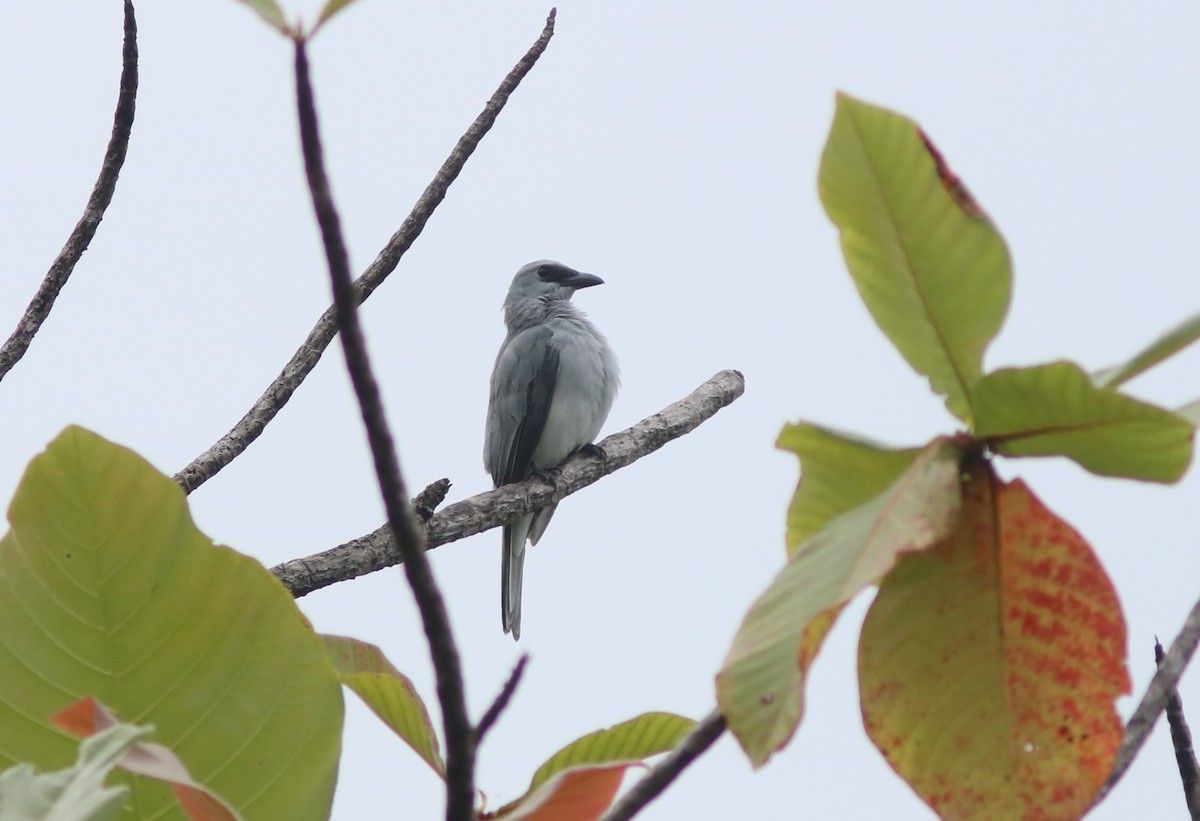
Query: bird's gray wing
[[527, 402]]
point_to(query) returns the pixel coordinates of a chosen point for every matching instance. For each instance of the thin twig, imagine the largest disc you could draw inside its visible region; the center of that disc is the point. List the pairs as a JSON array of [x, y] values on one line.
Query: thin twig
[[460, 748], [378, 550], [664, 772], [277, 394], [1181, 737], [1138, 728], [102, 194], [502, 699]]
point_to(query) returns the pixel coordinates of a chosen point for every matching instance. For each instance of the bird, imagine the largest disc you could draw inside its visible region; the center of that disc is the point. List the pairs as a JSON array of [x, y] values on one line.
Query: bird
[[552, 388]]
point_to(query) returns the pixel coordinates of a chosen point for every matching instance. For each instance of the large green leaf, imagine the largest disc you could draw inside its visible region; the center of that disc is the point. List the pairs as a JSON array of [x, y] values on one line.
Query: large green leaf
[[989, 664], [389, 693], [760, 688], [1056, 410], [1173, 341], [930, 267], [839, 472], [108, 589]]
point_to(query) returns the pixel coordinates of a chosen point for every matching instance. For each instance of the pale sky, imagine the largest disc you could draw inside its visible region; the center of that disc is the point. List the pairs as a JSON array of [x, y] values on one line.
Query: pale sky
[[671, 148]]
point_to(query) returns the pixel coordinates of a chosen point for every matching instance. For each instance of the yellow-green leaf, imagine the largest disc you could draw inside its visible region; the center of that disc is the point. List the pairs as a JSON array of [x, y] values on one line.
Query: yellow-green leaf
[[1191, 412], [108, 589], [930, 267], [270, 12], [1056, 410], [988, 665], [331, 8], [648, 734], [388, 692], [760, 688], [1172, 342], [839, 472]]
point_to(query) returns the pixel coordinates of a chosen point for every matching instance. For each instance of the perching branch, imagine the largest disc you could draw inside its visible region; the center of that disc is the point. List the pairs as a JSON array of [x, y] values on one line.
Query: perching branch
[[1164, 683], [102, 194], [459, 735], [378, 550], [651, 785], [277, 394], [1181, 738]]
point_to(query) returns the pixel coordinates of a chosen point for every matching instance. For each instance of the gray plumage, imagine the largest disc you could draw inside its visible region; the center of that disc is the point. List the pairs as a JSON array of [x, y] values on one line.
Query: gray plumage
[[552, 388]]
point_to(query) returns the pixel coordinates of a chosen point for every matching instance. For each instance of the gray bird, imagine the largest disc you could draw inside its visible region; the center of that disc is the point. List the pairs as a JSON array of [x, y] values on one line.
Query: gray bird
[[552, 388]]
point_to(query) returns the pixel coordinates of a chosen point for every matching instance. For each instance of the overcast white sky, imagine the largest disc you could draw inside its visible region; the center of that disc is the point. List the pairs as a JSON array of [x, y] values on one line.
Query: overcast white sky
[[671, 148]]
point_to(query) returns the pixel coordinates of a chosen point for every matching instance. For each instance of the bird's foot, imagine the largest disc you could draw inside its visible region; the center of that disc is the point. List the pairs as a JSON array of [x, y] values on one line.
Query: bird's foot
[[548, 475], [593, 450]]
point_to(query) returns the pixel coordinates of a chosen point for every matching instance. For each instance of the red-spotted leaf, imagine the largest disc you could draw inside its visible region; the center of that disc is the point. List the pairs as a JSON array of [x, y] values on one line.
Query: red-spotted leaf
[[760, 688], [388, 692], [87, 717], [929, 265], [988, 665]]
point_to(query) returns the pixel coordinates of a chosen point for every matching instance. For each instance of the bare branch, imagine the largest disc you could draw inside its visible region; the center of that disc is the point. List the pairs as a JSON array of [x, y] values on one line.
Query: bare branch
[[378, 550], [427, 501], [1181, 737], [651, 785], [502, 699], [277, 394], [1164, 683], [102, 194], [459, 735]]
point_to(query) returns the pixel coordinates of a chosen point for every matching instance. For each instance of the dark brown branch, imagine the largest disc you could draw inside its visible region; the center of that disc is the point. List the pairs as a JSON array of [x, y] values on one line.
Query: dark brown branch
[[1181, 738], [102, 194], [277, 394], [459, 735], [501, 702], [427, 501], [651, 785], [378, 550], [1164, 683]]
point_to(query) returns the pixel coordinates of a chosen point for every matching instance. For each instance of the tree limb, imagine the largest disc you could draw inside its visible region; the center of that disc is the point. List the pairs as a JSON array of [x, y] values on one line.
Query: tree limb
[[378, 550], [1164, 683], [1181, 737], [502, 698], [651, 785], [102, 194], [459, 734], [297, 369]]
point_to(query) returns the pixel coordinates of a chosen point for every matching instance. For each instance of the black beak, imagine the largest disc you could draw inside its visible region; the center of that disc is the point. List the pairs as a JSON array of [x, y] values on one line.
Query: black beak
[[578, 280]]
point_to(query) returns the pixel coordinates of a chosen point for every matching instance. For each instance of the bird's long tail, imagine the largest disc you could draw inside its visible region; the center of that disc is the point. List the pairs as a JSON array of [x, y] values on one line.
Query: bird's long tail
[[512, 571]]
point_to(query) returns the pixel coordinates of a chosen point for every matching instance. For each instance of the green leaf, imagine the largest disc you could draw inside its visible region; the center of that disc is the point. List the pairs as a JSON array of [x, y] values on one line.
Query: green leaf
[[74, 794], [331, 8], [1172, 342], [269, 11], [760, 688], [930, 267], [989, 664], [1191, 412], [839, 472], [108, 589], [388, 692], [648, 734], [1056, 410]]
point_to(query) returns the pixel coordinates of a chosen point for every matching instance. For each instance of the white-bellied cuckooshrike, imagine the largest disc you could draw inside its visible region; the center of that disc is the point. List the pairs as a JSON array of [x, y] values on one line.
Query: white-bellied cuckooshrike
[[552, 388]]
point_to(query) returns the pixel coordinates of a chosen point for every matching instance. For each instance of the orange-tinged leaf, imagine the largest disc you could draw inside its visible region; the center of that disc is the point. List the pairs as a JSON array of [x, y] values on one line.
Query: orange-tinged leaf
[[988, 665], [87, 717], [578, 794], [760, 688]]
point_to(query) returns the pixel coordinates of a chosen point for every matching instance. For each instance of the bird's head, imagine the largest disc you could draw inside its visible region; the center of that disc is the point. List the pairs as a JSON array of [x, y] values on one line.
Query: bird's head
[[546, 278]]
